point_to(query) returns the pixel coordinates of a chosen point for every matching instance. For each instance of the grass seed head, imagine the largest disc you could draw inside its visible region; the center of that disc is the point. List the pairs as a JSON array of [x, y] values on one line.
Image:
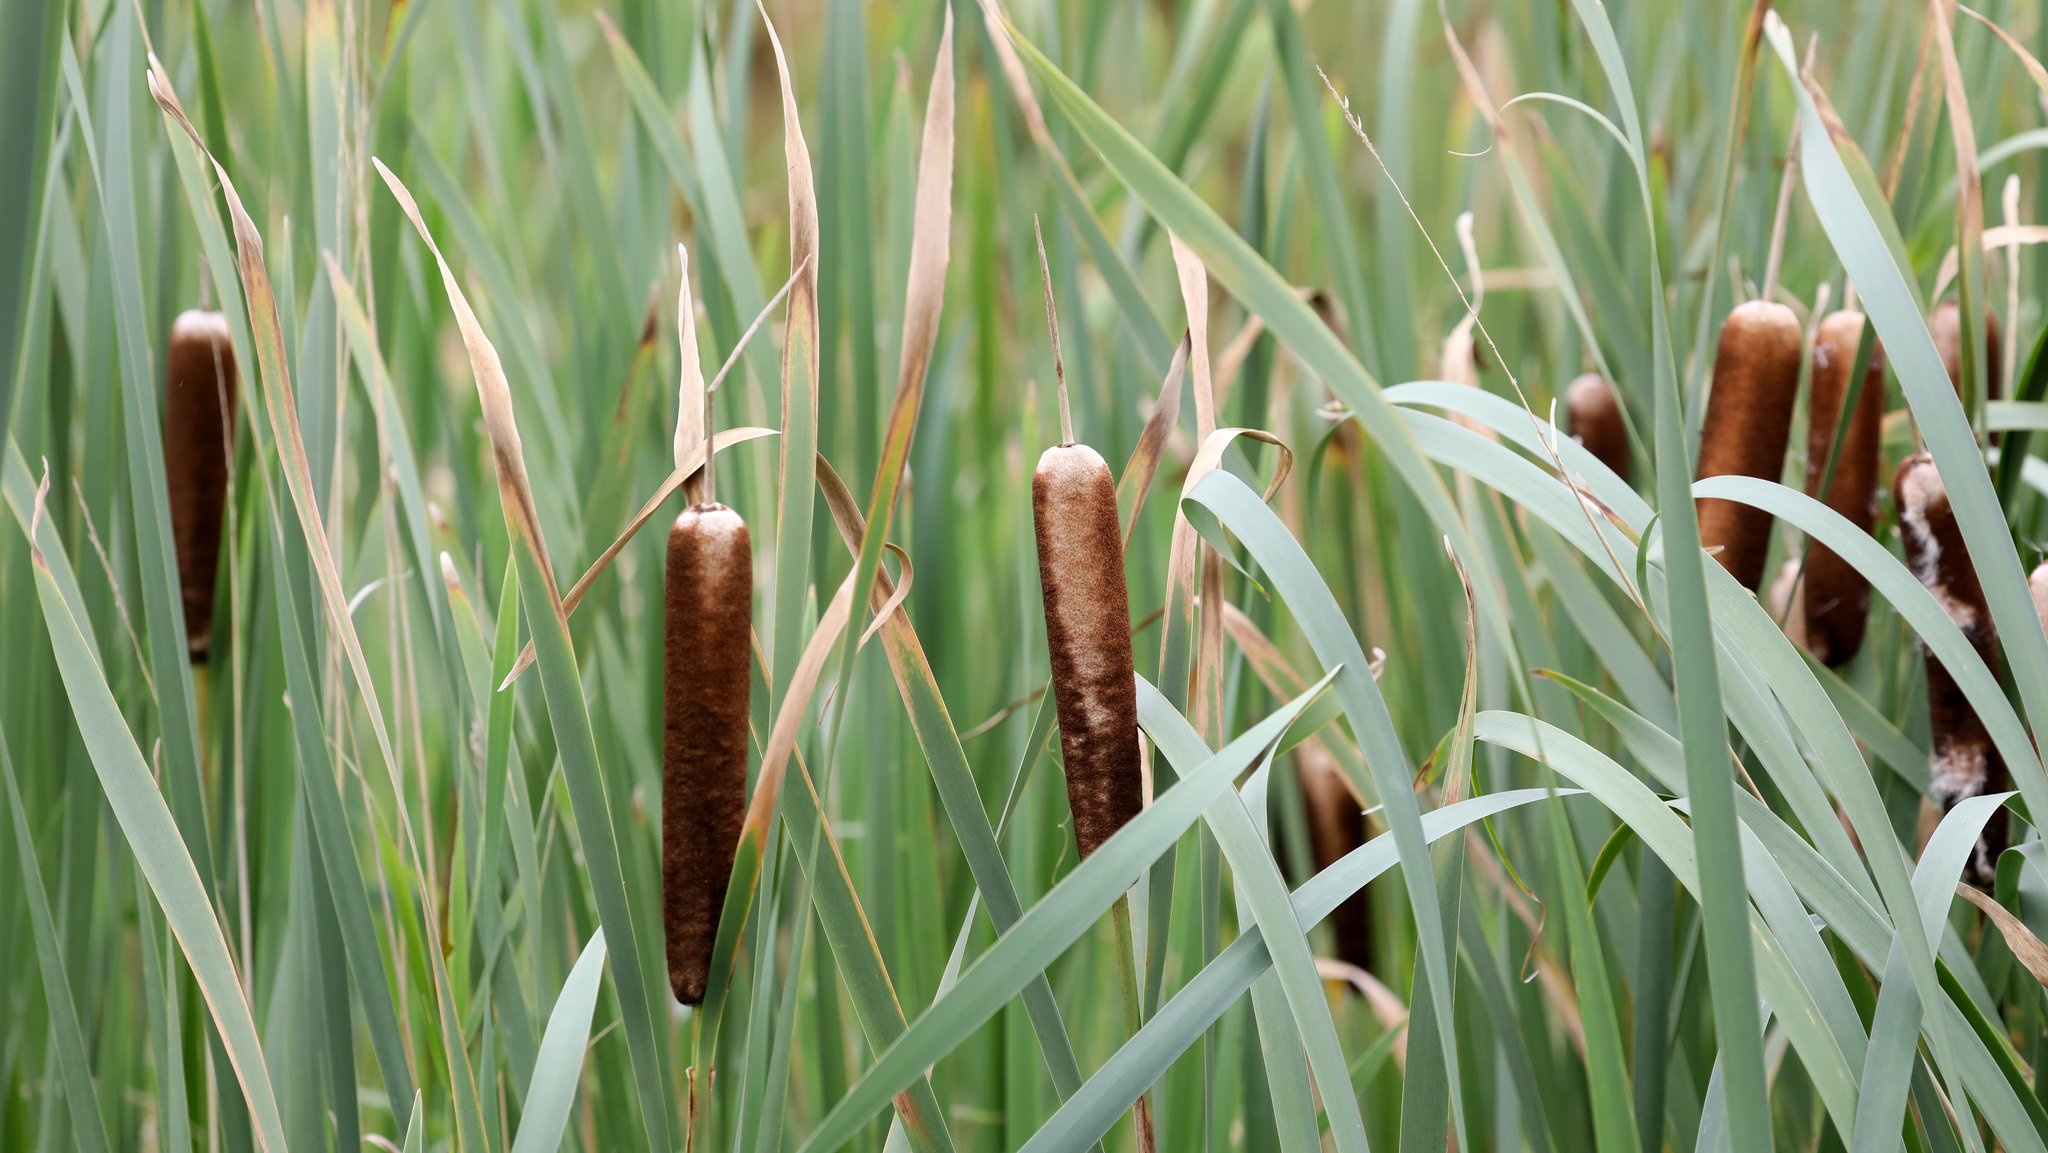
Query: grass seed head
[[1596, 421], [1088, 630], [199, 431], [1835, 599], [1748, 421], [1966, 762], [705, 687]]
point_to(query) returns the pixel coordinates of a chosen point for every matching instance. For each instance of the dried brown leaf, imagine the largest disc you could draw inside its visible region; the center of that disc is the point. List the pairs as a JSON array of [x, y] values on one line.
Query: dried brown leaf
[[493, 393], [2020, 939], [1135, 482]]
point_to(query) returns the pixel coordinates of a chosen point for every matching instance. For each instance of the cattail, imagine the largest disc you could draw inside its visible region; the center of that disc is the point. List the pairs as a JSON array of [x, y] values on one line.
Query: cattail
[[1336, 825], [1749, 419], [1835, 601], [1966, 762], [199, 428], [704, 741], [1596, 421], [1088, 630], [1945, 325], [1087, 620]]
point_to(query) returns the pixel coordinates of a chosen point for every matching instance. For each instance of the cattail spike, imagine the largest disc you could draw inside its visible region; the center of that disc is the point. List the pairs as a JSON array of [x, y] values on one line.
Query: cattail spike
[[1748, 421], [1088, 630], [1835, 602], [200, 386], [1966, 762], [710, 605], [1336, 825], [1596, 421], [1945, 325]]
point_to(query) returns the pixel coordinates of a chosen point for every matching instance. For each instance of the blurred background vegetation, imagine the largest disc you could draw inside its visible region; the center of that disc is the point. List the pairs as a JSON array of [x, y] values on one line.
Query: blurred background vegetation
[[331, 888]]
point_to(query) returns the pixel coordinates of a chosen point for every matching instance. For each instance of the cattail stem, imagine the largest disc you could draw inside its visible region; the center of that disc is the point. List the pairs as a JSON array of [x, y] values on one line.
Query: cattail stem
[[1835, 598], [1966, 761], [1127, 966], [1088, 630], [710, 448], [200, 386], [709, 610], [1052, 324], [1748, 421]]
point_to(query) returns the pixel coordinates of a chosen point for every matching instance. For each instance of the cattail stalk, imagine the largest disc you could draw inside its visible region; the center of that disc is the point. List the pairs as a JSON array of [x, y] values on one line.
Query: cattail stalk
[[1835, 601], [1088, 634], [710, 604], [1087, 622], [1597, 423], [200, 385], [1966, 761], [1336, 826], [1748, 421]]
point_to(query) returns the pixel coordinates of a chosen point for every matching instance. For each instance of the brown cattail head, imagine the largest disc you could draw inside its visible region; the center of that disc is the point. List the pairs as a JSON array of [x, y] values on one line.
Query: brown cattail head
[[1966, 762], [199, 432], [1835, 600], [1596, 421], [710, 608], [1749, 419], [1945, 325], [1336, 825], [1088, 630]]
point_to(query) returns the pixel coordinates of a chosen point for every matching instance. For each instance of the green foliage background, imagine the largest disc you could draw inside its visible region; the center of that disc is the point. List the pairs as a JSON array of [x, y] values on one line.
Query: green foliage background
[[1642, 877]]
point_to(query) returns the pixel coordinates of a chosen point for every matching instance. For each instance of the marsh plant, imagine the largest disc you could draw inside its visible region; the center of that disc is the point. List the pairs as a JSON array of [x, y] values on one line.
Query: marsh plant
[[1130, 574]]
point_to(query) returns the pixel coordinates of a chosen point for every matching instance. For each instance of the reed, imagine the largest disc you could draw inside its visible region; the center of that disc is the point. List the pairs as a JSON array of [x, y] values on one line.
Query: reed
[[200, 385], [1748, 422], [1966, 762], [1835, 599]]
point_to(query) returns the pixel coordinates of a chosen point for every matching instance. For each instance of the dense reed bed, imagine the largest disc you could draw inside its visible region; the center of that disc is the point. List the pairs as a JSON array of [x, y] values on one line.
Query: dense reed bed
[[1235, 717]]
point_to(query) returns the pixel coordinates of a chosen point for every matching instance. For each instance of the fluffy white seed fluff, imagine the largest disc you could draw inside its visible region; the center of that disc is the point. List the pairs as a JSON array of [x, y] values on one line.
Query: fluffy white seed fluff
[[1919, 490], [197, 324]]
